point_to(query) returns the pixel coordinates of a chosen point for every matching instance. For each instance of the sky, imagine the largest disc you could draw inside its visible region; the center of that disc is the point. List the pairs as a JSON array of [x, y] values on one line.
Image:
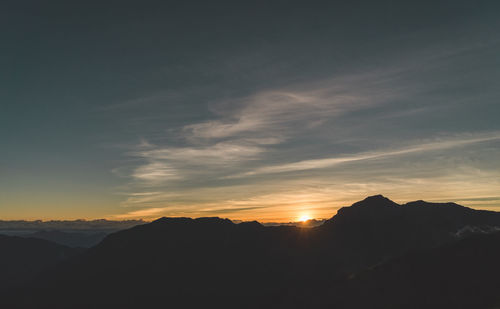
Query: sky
[[267, 110]]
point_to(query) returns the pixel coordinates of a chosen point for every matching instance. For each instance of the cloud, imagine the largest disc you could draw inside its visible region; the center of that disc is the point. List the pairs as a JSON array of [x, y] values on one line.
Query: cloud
[[155, 172], [166, 164], [248, 128], [219, 153], [143, 213], [330, 162], [274, 112]]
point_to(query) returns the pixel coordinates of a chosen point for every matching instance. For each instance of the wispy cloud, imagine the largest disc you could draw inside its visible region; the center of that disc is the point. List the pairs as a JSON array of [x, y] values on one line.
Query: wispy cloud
[[254, 125], [275, 112], [142, 213], [155, 172], [224, 152], [329, 162], [164, 164]]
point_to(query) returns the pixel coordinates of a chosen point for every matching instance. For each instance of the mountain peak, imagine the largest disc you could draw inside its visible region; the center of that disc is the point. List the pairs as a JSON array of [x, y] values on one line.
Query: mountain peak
[[375, 206], [375, 201]]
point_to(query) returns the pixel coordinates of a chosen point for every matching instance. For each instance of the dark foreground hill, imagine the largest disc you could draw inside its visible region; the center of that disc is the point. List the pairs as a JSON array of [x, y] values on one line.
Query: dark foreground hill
[[465, 274], [212, 262], [23, 258]]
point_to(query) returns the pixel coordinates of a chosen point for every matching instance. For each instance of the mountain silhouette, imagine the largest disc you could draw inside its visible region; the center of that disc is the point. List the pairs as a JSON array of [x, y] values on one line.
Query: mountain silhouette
[[377, 228], [188, 263]]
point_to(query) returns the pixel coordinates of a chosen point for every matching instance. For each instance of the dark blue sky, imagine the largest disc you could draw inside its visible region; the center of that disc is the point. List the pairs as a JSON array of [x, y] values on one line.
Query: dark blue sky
[[267, 110]]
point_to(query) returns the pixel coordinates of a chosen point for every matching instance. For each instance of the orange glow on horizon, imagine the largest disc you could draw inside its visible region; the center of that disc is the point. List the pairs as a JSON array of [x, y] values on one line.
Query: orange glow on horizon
[[304, 218]]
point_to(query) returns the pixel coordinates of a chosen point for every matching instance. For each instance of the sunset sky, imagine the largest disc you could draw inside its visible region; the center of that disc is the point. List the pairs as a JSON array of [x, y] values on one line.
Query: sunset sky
[[271, 110]]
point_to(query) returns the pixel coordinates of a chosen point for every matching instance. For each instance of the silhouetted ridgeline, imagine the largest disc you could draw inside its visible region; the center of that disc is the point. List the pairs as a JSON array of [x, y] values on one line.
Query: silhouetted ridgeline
[[374, 254]]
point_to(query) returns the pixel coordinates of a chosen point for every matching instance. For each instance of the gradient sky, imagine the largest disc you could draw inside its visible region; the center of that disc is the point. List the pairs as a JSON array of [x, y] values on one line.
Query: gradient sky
[[245, 109]]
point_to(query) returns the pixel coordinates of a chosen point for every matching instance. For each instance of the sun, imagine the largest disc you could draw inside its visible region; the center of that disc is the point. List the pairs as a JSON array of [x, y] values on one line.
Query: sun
[[304, 218]]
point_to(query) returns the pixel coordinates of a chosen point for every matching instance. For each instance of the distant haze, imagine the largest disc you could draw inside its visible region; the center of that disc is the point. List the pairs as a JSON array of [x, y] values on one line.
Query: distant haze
[[67, 225]]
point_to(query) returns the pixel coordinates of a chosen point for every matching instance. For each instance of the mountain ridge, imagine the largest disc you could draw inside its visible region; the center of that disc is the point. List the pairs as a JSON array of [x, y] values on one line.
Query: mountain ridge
[[215, 261]]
